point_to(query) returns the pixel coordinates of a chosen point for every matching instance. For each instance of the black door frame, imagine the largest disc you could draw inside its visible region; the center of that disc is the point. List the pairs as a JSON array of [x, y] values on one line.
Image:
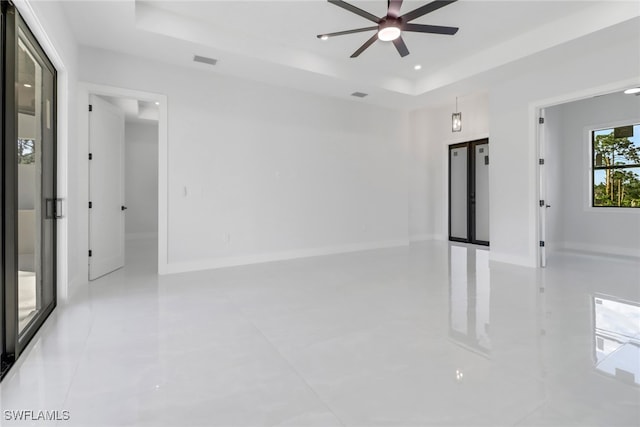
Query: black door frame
[[471, 196], [13, 343]]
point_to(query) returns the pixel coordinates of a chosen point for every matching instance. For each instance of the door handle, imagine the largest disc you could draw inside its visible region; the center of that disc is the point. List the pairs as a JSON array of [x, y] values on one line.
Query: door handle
[[123, 208], [53, 209]]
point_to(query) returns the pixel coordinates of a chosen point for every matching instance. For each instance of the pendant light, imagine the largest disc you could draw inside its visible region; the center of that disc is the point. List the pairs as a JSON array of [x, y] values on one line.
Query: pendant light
[[456, 119]]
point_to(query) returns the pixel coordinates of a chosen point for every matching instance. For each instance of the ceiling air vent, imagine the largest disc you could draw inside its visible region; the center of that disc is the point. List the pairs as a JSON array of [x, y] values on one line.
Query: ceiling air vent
[[205, 60], [359, 94]]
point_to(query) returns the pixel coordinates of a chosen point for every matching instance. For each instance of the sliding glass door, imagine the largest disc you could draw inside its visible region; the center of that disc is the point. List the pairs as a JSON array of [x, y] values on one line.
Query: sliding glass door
[[29, 205]]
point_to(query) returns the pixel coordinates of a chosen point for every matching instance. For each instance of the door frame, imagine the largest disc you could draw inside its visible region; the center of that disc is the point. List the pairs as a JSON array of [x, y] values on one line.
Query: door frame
[[85, 90], [62, 144], [13, 341], [471, 179], [537, 228]]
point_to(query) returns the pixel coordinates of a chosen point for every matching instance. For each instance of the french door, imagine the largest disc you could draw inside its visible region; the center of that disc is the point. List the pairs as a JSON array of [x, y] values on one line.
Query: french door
[[29, 205], [469, 192]]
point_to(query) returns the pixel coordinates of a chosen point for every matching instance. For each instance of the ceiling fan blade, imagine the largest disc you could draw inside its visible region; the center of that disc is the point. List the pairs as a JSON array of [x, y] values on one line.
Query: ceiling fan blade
[[394, 8], [356, 10], [401, 47], [365, 46], [433, 29], [427, 8], [342, 33]]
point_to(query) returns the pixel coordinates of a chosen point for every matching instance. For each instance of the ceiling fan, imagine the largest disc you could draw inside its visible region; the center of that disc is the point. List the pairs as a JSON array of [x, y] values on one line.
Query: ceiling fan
[[391, 26]]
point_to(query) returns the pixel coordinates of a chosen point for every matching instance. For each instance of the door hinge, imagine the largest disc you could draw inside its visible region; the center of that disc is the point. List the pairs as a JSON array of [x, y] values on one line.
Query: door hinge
[[90, 252], [90, 205], [90, 107], [541, 161], [541, 203], [541, 120], [542, 243], [90, 156]]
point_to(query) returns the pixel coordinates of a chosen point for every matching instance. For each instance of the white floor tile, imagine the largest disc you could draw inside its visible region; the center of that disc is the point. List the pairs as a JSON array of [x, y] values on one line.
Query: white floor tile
[[426, 335]]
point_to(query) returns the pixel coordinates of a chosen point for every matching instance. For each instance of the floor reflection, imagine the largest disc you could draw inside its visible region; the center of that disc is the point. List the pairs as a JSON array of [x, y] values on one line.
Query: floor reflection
[[469, 298], [617, 338]]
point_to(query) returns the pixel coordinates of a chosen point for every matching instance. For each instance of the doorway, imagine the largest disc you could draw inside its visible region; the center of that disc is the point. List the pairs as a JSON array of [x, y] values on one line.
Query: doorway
[[123, 181], [30, 207], [469, 192], [589, 176]]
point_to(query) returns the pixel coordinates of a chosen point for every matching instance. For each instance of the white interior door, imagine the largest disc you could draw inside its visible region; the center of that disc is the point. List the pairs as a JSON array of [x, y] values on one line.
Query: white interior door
[[106, 188]]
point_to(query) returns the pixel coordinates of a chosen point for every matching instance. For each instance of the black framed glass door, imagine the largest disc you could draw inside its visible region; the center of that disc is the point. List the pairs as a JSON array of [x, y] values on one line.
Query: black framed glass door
[[469, 192], [29, 185]]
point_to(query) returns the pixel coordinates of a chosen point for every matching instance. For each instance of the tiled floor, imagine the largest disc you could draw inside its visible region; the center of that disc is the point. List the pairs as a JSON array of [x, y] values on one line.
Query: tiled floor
[[426, 335]]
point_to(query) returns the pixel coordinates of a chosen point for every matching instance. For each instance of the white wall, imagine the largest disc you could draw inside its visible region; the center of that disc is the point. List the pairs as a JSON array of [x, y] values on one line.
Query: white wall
[[258, 172], [572, 68], [48, 23], [141, 179], [614, 231], [430, 137]]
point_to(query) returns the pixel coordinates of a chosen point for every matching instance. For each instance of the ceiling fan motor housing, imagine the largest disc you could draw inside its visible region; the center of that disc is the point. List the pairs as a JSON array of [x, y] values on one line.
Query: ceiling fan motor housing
[[389, 28]]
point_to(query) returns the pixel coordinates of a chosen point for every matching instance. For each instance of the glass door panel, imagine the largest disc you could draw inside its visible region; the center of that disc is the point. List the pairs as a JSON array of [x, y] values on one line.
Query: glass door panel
[[4, 365], [29, 158], [34, 97], [481, 193], [458, 193]]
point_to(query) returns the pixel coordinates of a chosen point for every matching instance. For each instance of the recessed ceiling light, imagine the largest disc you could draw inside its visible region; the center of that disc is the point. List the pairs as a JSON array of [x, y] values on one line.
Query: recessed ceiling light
[[417, 67], [324, 37], [632, 91], [27, 85], [157, 103]]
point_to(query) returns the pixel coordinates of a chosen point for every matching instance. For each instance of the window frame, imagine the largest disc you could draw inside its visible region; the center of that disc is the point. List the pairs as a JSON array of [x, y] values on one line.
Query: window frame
[[590, 134]]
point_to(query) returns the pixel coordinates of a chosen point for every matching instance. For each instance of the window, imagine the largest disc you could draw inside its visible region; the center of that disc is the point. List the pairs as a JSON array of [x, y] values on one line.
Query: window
[[616, 167]]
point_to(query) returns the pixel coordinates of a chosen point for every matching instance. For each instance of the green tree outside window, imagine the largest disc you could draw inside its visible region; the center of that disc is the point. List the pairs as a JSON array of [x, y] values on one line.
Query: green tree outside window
[[26, 151], [616, 169]]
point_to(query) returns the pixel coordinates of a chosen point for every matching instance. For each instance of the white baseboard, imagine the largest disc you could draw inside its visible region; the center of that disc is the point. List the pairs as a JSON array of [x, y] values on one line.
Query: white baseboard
[[209, 264], [601, 250], [512, 259], [141, 236]]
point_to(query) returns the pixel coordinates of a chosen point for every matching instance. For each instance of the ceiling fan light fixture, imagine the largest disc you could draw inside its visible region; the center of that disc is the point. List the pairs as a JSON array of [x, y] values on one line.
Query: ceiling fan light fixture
[[387, 34], [391, 26]]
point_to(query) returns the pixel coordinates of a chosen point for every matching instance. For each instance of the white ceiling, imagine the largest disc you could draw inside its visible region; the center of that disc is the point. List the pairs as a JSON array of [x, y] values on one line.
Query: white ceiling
[[275, 41]]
